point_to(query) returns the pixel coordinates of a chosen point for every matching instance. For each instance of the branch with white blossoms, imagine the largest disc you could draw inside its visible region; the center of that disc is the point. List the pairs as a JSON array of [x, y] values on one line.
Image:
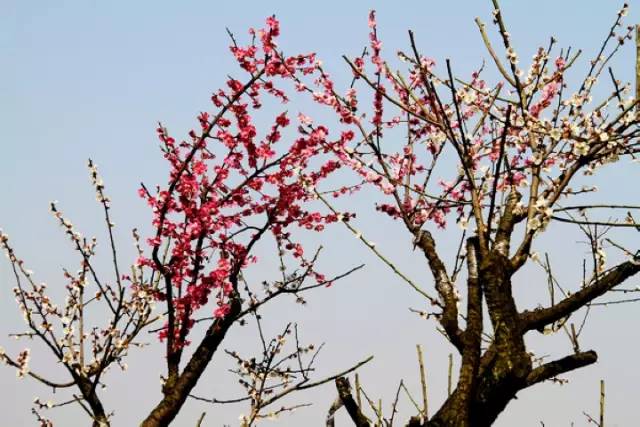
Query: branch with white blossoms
[[86, 351], [275, 374]]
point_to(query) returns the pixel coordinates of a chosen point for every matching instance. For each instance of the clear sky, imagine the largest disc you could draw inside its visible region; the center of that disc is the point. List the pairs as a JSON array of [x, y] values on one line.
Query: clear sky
[[91, 78]]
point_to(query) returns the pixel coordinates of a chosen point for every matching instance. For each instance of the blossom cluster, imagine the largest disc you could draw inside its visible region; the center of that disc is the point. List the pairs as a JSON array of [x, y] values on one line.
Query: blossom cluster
[[229, 184], [530, 137], [86, 351]]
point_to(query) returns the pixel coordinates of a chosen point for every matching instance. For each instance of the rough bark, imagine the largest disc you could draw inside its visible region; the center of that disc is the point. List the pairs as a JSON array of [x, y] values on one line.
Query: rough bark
[[344, 392], [488, 382], [88, 390], [177, 391]]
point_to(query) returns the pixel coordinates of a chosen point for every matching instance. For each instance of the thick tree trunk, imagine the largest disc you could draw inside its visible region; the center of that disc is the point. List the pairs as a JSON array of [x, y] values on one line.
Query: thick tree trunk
[[486, 385], [481, 407]]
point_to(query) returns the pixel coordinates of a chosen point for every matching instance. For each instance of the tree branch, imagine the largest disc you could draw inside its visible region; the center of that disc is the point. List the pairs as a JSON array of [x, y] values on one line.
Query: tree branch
[[449, 319], [344, 392], [560, 366], [539, 318]]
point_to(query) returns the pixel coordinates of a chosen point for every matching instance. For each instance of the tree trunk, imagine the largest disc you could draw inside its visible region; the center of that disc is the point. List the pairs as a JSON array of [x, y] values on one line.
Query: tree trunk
[[494, 390], [176, 390], [488, 383], [88, 390]]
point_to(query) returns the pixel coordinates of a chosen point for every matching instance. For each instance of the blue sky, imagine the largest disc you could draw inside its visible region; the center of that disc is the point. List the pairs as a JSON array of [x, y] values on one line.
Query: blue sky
[[91, 79]]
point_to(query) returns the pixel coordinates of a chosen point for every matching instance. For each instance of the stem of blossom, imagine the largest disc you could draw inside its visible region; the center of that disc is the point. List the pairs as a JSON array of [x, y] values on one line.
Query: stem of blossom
[[637, 62], [423, 383], [450, 375], [389, 98], [507, 45], [384, 259], [496, 175], [201, 419], [492, 52], [601, 424]]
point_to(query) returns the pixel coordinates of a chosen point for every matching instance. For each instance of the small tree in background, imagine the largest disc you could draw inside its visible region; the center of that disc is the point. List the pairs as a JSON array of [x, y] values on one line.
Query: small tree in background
[[519, 147]]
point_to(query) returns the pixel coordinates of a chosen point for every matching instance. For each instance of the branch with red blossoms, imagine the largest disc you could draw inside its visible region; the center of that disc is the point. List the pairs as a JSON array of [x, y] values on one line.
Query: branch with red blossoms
[[232, 187]]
